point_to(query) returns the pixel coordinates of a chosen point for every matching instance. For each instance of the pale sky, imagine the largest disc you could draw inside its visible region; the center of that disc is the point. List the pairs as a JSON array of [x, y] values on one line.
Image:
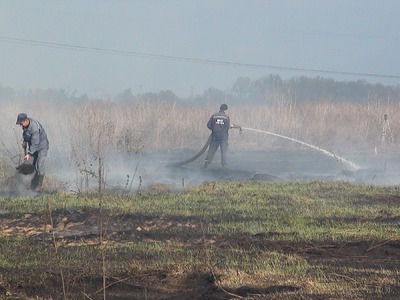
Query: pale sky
[[95, 46]]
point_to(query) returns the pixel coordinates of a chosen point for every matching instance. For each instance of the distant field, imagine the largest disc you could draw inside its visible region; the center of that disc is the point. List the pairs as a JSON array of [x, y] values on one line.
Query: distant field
[[232, 240]]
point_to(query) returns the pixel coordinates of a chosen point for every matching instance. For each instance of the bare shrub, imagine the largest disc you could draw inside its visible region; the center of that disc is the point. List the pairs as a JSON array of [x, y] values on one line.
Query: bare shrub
[[94, 128]]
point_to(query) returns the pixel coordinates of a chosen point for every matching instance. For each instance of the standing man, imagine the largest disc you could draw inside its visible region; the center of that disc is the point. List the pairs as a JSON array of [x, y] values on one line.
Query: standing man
[[35, 139], [219, 124]]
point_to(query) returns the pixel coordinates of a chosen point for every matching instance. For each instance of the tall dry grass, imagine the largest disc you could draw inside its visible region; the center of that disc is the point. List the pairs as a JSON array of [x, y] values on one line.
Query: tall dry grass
[[335, 126], [74, 130]]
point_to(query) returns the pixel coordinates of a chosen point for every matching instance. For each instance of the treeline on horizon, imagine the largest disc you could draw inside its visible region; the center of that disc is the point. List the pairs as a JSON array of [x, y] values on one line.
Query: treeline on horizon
[[269, 89]]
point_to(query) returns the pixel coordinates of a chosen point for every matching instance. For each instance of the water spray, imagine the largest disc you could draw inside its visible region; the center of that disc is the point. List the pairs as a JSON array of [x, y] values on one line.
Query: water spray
[[352, 165]]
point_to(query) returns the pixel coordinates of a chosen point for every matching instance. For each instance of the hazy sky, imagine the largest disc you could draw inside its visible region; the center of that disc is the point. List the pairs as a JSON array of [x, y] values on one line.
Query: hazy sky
[[99, 46]]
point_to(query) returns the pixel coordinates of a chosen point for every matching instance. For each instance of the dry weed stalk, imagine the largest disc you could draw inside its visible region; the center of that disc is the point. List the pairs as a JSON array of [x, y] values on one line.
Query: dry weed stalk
[[211, 269], [56, 248]]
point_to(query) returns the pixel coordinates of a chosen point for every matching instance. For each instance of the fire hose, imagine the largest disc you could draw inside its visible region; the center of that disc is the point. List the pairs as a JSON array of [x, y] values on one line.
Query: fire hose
[[181, 163]]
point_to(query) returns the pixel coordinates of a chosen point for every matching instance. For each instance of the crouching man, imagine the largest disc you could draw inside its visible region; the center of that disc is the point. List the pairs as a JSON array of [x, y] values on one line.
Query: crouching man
[[35, 140]]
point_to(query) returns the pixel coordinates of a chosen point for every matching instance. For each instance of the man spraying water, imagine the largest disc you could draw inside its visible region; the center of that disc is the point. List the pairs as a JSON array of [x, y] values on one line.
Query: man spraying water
[[219, 124]]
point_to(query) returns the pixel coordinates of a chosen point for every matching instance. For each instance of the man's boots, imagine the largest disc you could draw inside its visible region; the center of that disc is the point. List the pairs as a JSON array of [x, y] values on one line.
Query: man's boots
[[41, 177], [37, 182]]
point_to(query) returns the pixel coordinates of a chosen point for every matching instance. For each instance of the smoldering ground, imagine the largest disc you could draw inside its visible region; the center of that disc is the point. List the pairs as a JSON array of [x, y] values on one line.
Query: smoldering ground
[[281, 166], [18, 184], [130, 173]]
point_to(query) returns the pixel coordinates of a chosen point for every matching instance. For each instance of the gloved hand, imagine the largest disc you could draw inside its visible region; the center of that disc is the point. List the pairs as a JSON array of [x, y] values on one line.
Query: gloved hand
[[237, 126]]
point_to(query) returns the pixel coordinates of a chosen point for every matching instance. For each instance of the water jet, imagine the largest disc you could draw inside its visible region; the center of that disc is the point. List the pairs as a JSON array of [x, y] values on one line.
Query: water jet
[[351, 165]]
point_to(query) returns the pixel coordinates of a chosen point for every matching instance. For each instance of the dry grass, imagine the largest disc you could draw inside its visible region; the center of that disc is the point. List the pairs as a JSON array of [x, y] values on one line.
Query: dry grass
[[73, 129], [336, 126]]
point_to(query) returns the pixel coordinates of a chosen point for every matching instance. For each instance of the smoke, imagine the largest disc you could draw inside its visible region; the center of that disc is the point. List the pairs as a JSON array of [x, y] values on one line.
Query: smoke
[[18, 185], [130, 173], [135, 172], [139, 141]]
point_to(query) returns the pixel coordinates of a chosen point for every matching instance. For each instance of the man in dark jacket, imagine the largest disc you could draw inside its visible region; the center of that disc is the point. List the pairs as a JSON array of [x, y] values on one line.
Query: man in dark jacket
[[219, 124], [35, 139]]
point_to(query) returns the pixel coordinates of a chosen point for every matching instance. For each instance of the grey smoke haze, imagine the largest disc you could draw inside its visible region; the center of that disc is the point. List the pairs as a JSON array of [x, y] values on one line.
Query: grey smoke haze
[[340, 35], [291, 163], [272, 165], [73, 131]]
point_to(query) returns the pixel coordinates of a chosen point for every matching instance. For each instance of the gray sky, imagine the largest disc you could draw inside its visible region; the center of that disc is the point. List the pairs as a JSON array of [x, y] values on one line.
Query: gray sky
[[52, 44]]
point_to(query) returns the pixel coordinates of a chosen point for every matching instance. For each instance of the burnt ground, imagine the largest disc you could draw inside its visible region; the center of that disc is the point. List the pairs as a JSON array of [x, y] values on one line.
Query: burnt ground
[[133, 172], [76, 227], [272, 165]]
